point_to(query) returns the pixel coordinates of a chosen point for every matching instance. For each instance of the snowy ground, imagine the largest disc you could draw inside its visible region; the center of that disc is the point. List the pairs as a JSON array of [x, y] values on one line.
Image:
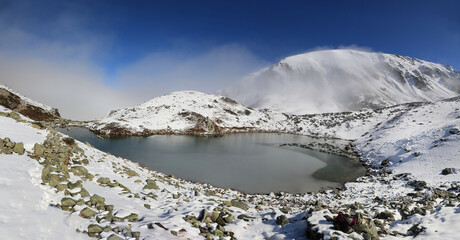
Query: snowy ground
[[420, 139]]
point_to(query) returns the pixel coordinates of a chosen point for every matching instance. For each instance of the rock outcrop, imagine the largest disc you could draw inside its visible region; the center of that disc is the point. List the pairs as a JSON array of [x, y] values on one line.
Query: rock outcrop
[[19, 104]]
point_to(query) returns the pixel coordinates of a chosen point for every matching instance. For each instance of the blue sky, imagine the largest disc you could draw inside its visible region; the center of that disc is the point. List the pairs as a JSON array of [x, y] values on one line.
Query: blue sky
[[152, 47]]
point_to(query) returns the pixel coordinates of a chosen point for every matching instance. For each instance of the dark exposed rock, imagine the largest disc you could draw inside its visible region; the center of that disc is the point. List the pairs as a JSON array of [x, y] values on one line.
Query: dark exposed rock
[[385, 215], [15, 103], [385, 162], [282, 220], [447, 171]]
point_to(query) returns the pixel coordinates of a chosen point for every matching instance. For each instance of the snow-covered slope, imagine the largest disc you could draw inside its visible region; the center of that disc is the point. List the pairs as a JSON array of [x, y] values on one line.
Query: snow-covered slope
[[344, 80], [59, 185], [187, 112], [30, 108]]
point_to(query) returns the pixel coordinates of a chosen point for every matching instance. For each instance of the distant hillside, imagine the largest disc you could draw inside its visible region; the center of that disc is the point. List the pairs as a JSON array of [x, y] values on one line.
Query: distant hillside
[[345, 80], [30, 108], [186, 112]]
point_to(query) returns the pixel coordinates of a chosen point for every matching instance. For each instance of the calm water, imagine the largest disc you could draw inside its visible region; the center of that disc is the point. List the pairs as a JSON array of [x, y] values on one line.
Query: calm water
[[252, 163]]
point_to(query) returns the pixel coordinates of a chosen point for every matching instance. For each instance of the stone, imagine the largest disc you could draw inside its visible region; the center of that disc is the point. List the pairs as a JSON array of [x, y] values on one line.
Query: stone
[[68, 202], [214, 216], [218, 233], [366, 227], [136, 234], [114, 237], [8, 143], [96, 199], [107, 229], [240, 204], [454, 130], [385, 215], [19, 148], [94, 228], [79, 170], [415, 230], [84, 193], [229, 219], [385, 162], [61, 187], [285, 210], [131, 173], [103, 180], [245, 217], [77, 184], [109, 207], [151, 184], [87, 213], [147, 206], [282, 220], [45, 173], [447, 171], [418, 185], [417, 210], [132, 217], [38, 150]]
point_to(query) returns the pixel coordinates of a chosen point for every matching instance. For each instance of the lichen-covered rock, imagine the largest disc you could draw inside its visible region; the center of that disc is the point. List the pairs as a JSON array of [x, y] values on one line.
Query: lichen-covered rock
[[103, 180], [77, 184], [114, 237], [67, 202], [131, 173], [96, 199], [38, 150], [79, 170], [151, 184], [240, 204], [229, 219], [385, 215], [132, 217], [87, 213], [19, 148], [94, 228], [84, 193]]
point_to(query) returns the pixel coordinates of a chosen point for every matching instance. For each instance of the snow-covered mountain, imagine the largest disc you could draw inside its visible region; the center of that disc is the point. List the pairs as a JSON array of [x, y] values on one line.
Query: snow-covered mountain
[[344, 80], [187, 112]]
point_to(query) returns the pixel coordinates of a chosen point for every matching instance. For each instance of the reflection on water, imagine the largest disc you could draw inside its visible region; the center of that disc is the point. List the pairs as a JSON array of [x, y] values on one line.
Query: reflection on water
[[250, 163]]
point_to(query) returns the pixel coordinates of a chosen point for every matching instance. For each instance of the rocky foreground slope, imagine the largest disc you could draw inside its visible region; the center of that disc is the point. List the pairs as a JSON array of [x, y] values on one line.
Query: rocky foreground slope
[[345, 80]]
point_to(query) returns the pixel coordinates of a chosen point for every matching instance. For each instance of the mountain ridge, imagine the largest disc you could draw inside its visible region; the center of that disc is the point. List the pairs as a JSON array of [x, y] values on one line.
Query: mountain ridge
[[348, 79]]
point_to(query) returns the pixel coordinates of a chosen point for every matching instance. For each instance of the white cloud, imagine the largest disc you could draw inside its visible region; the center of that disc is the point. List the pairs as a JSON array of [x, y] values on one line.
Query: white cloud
[[76, 89], [160, 73]]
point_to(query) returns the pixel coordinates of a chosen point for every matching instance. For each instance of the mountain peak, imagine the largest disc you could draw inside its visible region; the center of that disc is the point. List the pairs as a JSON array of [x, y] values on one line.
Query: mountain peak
[[344, 80]]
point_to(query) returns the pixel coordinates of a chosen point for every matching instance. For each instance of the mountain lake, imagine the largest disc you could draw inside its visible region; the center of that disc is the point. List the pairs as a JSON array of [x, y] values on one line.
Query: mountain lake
[[247, 162]]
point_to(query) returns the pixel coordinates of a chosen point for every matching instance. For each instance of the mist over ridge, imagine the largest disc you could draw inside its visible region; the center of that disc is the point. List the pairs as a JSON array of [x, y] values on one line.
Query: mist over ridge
[[344, 80]]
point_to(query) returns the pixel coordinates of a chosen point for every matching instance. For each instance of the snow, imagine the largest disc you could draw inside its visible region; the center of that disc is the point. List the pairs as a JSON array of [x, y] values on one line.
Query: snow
[[18, 132], [419, 138], [422, 131], [165, 113], [25, 210]]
